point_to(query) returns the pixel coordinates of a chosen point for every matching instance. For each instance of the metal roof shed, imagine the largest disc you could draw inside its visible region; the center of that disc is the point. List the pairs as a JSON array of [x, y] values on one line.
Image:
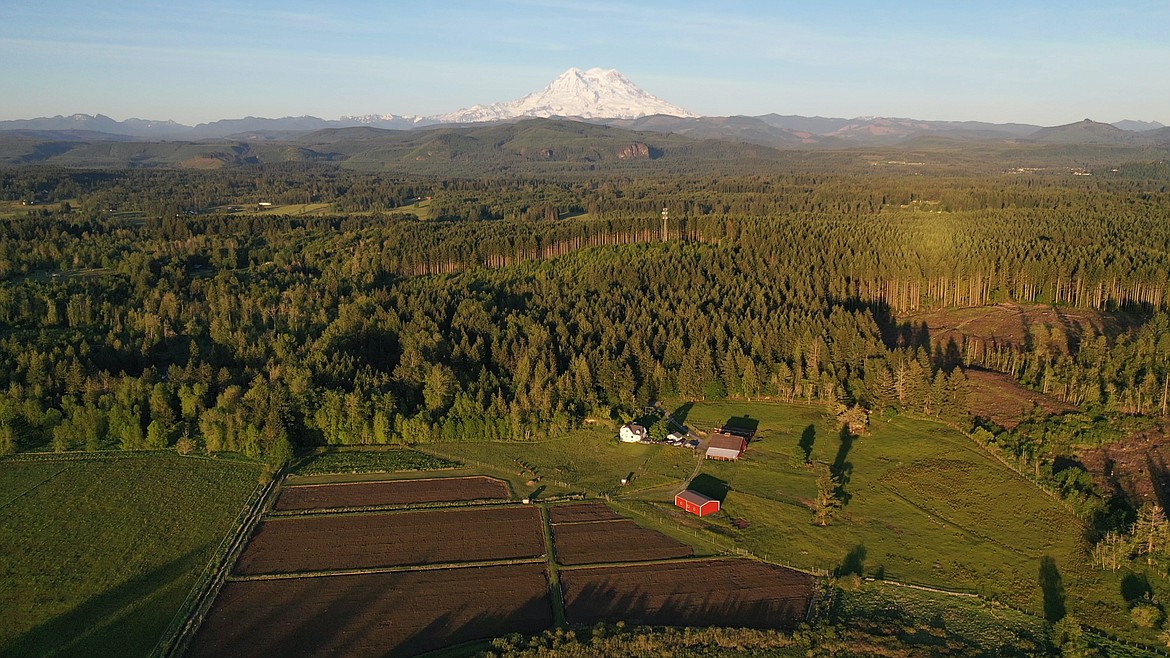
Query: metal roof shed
[[696, 503]]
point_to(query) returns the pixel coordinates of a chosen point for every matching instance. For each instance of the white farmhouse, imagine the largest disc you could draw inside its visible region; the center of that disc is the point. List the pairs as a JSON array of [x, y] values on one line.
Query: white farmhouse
[[632, 433]]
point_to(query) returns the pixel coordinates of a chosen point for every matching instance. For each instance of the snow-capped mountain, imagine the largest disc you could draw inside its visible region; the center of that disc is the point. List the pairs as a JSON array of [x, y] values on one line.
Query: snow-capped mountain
[[394, 121], [593, 94]]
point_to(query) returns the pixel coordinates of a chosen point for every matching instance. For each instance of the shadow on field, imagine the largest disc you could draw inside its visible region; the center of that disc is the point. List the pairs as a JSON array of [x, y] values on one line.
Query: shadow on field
[[241, 624], [807, 439], [744, 426], [1052, 586], [842, 468], [528, 618], [54, 635], [711, 487], [1136, 587], [653, 604], [401, 614], [853, 564], [680, 414]]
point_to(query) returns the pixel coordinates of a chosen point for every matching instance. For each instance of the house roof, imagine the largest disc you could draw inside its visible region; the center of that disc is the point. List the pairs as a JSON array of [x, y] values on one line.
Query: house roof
[[635, 429], [694, 497]]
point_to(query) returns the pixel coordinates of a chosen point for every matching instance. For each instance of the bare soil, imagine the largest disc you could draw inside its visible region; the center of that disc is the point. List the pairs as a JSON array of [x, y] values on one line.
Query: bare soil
[[1059, 329], [581, 512], [614, 541], [399, 492], [1004, 401], [388, 614], [1137, 467], [734, 593], [364, 541]]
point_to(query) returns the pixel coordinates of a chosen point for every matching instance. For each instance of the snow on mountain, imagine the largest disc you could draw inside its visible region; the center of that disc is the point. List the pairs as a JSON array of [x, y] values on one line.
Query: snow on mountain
[[593, 94], [382, 120]]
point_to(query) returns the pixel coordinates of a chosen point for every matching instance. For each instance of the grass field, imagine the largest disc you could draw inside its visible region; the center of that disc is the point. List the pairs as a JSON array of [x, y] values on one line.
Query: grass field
[[295, 209], [331, 462], [97, 555], [589, 460], [925, 505]]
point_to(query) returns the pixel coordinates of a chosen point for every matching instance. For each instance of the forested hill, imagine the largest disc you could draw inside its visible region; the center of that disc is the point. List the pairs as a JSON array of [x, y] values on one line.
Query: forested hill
[[538, 144], [525, 306], [544, 147]]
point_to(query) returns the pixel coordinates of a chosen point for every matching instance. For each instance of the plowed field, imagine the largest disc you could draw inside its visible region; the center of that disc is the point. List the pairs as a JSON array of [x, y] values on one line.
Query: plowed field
[[736, 593], [614, 541], [362, 541], [388, 614], [400, 492]]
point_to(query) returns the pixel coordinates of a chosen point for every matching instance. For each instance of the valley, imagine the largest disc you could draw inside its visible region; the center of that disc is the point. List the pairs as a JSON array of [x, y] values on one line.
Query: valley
[[410, 377]]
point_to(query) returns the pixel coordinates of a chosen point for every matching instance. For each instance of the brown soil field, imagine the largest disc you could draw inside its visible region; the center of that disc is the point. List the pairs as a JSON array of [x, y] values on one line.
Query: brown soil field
[[614, 541], [387, 614], [582, 512], [1002, 399], [1137, 467], [734, 593], [365, 541], [1059, 328], [399, 492]]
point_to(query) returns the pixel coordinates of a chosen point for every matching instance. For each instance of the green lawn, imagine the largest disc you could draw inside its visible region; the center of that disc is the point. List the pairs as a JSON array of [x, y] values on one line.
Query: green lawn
[[926, 505], [592, 461], [96, 555]]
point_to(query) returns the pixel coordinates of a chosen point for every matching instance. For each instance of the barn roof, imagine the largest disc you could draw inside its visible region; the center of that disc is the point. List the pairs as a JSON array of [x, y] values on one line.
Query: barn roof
[[694, 497], [726, 441]]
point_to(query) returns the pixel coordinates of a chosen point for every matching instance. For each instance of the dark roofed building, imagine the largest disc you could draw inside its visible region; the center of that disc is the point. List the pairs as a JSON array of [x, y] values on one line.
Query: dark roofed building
[[726, 446]]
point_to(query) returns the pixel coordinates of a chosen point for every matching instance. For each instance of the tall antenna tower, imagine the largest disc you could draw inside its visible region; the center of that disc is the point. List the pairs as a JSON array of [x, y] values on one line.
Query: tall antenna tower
[[665, 217]]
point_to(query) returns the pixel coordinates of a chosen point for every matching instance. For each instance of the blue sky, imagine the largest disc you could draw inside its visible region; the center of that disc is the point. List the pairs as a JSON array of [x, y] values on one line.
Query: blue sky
[[1032, 62]]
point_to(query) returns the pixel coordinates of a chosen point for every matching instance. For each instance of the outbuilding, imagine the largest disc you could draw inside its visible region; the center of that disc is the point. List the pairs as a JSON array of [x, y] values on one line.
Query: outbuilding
[[725, 446], [696, 503]]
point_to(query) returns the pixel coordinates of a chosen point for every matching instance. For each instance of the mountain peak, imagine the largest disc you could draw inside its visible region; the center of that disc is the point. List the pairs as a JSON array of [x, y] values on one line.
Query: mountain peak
[[592, 94]]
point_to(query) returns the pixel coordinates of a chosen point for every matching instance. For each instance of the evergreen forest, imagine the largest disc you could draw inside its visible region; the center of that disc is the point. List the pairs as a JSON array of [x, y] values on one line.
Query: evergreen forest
[[270, 309]]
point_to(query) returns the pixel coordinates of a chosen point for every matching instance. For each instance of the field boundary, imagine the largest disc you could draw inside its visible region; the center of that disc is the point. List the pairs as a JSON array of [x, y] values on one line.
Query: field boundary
[[33, 488], [294, 485], [665, 560], [556, 593], [191, 614], [100, 455], [442, 566], [397, 507]]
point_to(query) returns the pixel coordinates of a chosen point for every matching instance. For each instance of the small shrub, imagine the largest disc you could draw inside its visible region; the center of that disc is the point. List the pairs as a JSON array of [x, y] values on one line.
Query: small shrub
[[1147, 616], [185, 445]]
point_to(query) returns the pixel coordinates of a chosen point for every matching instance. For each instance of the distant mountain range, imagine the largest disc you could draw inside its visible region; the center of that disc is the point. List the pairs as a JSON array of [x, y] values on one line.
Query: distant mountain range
[[604, 97]]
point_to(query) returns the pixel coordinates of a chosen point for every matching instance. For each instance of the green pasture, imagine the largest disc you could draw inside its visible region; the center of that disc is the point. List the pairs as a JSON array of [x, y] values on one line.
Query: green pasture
[[590, 461], [924, 505], [293, 209], [338, 462], [97, 555]]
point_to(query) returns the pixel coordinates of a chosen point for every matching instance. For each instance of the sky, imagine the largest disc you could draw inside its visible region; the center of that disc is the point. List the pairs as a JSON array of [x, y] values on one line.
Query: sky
[[1038, 62]]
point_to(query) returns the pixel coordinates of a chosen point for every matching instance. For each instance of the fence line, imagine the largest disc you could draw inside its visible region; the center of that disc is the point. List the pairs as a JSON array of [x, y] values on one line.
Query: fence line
[[191, 614]]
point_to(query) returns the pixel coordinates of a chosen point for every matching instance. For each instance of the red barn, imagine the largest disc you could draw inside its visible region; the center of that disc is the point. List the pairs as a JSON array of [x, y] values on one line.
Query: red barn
[[696, 503]]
